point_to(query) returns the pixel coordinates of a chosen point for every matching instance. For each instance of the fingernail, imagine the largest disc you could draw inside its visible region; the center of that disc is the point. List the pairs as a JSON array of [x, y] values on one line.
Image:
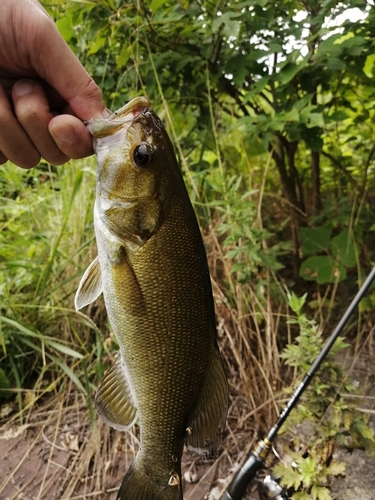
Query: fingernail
[[23, 87], [64, 134], [106, 112]]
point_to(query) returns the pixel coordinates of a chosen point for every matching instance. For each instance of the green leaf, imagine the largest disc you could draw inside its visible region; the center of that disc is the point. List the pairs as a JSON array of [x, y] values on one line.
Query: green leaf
[[368, 67], [231, 26], [320, 493], [98, 43], [322, 269], [296, 303], [288, 72], [335, 64], [308, 470], [344, 249], [327, 45], [315, 239], [313, 138], [290, 69], [349, 40], [64, 25], [156, 4], [338, 116], [336, 468], [43, 338], [360, 427], [256, 88], [315, 120], [290, 116], [290, 477], [299, 105]]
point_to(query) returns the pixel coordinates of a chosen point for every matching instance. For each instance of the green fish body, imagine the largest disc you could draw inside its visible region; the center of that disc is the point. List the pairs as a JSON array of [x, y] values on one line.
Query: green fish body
[[153, 272]]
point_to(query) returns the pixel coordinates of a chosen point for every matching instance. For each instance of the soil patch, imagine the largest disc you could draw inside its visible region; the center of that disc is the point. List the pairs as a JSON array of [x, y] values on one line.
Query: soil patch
[[57, 453]]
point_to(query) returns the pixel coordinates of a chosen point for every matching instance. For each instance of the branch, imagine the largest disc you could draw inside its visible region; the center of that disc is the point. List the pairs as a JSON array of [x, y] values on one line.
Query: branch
[[337, 163]]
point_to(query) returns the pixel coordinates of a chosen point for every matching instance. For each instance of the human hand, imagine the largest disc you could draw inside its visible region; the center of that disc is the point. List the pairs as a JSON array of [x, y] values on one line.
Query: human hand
[[45, 92]]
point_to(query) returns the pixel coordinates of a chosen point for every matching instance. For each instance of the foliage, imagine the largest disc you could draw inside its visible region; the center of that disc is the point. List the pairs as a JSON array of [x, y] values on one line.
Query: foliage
[[340, 250], [42, 240], [292, 79], [245, 238], [339, 422], [309, 474]]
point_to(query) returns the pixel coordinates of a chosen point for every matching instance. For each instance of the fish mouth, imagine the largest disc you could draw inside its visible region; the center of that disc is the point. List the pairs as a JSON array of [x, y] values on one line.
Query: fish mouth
[[120, 119], [134, 107]]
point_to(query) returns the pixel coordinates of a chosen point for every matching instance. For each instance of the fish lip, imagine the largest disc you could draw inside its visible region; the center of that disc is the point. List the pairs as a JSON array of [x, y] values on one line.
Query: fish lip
[[135, 106], [123, 117]]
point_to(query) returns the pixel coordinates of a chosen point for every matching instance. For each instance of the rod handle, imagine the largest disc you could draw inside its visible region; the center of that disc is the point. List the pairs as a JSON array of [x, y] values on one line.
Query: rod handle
[[243, 477]]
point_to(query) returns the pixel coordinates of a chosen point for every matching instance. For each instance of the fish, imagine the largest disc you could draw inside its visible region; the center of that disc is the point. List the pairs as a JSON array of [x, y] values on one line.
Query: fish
[[152, 269]]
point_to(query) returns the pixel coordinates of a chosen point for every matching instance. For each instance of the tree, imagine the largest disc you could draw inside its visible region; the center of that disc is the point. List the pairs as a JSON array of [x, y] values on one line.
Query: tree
[[289, 76]]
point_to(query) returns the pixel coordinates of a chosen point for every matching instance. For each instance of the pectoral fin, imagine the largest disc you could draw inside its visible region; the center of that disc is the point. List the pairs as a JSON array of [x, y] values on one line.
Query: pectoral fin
[[114, 401], [207, 421], [125, 283], [90, 286]]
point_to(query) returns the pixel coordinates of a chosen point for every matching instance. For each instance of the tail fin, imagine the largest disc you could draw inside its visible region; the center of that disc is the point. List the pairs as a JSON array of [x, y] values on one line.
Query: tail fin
[[139, 485]]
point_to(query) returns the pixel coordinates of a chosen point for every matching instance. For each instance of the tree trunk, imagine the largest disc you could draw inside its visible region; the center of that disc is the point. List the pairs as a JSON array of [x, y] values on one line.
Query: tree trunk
[[292, 189], [315, 182]]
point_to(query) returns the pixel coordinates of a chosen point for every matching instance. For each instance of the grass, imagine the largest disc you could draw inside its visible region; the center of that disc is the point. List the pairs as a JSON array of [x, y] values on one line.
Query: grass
[[45, 242]]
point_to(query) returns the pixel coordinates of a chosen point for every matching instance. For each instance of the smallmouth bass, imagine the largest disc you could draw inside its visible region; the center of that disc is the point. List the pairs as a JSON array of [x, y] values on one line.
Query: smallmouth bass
[[152, 270]]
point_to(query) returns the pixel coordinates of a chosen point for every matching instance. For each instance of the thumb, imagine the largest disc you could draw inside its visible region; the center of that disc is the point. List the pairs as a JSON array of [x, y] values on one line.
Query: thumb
[[55, 62]]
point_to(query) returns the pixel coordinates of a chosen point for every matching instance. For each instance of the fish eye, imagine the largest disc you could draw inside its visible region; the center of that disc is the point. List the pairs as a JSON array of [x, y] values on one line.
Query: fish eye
[[142, 155]]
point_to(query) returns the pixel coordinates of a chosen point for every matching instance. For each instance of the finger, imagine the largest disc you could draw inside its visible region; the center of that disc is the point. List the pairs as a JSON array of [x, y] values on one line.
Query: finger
[[15, 145], [2, 159], [71, 136], [34, 114]]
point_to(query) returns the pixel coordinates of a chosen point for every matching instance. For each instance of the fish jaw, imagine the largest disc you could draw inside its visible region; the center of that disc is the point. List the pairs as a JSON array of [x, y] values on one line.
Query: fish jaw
[[102, 127], [110, 135]]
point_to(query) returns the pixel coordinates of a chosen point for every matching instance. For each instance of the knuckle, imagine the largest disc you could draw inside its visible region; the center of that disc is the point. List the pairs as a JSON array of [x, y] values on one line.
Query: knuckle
[[27, 112], [91, 90]]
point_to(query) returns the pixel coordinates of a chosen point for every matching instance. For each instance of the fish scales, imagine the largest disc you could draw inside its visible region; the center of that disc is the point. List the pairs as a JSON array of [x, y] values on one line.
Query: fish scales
[[153, 272]]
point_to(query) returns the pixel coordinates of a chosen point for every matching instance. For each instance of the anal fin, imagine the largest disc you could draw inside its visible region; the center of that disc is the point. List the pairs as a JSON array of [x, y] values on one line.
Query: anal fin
[[206, 423], [113, 399]]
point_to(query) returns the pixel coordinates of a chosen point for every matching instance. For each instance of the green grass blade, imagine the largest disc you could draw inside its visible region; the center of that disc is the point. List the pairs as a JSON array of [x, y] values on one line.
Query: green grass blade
[[70, 373], [42, 283], [64, 349]]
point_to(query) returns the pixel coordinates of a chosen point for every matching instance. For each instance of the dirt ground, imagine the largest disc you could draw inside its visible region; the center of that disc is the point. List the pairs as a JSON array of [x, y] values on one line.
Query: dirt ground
[[57, 453]]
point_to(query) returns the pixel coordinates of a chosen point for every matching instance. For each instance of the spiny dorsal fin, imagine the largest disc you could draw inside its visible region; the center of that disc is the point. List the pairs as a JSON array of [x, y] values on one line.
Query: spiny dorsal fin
[[114, 401], [90, 286], [206, 423]]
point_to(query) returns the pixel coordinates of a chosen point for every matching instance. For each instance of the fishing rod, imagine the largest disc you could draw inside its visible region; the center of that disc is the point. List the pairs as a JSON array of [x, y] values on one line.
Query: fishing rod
[[254, 462]]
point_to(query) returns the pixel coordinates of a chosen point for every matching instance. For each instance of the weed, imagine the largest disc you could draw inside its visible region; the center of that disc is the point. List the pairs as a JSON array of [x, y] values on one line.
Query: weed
[[323, 419], [44, 240]]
